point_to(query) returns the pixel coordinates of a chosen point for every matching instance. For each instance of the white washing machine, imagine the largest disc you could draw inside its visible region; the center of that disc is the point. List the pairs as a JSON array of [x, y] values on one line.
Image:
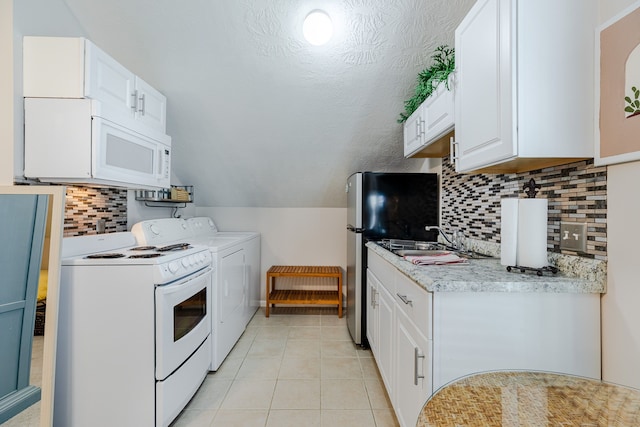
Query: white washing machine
[[235, 294]]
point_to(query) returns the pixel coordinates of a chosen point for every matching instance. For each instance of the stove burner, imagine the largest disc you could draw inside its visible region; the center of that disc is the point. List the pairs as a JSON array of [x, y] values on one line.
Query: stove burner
[[143, 248], [152, 255], [99, 256], [175, 247]]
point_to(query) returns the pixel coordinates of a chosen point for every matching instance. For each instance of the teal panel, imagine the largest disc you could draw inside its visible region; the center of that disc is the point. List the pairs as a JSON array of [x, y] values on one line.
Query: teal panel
[[22, 230], [10, 337], [15, 403], [17, 218]]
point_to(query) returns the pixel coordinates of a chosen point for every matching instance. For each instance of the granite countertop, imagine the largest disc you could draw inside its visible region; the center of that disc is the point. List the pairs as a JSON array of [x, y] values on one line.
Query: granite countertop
[[496, 399], [486, 275]]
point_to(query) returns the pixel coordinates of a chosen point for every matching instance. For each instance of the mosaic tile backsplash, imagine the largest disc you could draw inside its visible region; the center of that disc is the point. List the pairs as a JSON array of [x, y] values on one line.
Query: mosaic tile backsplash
[[86, 205], [576, 192]]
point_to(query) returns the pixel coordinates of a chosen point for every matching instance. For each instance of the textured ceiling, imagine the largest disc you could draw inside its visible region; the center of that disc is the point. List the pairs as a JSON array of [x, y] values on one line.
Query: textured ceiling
[[258, 116]]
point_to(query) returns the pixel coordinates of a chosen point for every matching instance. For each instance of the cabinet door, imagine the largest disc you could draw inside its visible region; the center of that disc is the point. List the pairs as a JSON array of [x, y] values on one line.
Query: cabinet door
[[438, 112], [372, 311], [413, 373], [151, 106], [483, 97], [108, 81], [414, 129], [386, 334]]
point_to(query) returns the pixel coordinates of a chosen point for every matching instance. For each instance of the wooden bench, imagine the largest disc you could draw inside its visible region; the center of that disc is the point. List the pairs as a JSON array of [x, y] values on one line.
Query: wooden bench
[[297, 296]]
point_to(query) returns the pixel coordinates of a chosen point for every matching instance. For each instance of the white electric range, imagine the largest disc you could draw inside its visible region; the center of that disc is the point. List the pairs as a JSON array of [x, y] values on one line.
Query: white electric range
[[134, 330], [236, 276]]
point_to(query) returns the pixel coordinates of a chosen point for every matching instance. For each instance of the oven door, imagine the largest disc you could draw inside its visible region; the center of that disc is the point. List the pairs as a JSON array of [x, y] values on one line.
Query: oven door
[[183, 320]]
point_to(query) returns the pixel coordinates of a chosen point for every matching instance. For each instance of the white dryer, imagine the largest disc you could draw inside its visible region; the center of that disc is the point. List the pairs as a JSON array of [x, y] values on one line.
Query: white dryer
[[235, 294]]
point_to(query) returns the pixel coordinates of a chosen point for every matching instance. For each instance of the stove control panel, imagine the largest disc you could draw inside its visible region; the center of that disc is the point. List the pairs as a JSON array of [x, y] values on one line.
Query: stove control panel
[[176, 269]]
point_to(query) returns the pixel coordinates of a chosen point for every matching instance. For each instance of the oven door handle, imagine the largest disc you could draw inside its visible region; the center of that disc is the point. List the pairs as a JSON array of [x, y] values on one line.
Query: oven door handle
[[177, 287]]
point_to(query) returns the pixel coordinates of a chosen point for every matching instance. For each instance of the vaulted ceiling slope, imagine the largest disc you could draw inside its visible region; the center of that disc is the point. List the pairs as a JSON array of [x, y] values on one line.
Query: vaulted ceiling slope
[[261, 118]]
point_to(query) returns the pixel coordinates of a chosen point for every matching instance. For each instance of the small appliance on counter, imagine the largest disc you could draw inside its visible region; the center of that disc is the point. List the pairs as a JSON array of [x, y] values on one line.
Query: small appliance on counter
[[383, 206]]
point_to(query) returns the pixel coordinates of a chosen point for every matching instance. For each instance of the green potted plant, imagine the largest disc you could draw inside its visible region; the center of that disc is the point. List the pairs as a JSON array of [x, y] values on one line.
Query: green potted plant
[[429, 79]]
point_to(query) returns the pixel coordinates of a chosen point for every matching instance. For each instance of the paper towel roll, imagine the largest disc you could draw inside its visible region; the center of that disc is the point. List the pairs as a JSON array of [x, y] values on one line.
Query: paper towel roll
[[532, 233], [508, 231]]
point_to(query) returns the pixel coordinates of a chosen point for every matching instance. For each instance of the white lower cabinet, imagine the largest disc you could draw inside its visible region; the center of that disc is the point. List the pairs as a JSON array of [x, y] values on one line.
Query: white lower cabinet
[[400, 347], [423, 340], [372, 313], [380, 327], [413, 376]]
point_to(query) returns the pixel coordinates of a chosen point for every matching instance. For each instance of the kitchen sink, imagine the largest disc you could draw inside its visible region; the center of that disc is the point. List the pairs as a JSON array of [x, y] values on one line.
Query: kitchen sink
[[428, 252], [418, 248], [419, 252], [472, 255]]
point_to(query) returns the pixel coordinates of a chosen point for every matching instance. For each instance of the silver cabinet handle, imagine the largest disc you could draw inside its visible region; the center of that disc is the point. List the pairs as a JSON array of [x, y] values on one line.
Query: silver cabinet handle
[[454, 156], [416, 356], [134, 101], [374, 301], [405, 300], [422, 127], [453, 146], [417, 128], [142, 104]]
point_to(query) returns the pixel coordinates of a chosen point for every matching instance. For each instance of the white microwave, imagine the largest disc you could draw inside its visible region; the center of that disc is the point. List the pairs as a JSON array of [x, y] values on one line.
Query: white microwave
[[68, 140]]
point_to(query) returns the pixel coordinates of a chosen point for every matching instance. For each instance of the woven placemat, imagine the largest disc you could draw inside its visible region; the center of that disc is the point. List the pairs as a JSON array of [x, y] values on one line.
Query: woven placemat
[[531, 399]]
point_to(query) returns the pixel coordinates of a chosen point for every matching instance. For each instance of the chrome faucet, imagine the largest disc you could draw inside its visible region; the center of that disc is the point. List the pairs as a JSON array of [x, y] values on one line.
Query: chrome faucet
[[457, 237]]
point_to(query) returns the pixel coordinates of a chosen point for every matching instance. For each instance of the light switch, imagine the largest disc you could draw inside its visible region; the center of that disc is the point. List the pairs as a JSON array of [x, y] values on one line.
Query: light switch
[[573, 236]]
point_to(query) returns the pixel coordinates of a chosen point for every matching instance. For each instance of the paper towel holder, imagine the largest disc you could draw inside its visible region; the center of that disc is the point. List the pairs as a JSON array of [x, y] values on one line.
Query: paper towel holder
[[539, 271], [531, 188]]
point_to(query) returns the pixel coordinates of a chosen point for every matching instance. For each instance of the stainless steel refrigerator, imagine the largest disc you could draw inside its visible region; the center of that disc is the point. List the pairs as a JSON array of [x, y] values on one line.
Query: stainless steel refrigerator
[[380, 206]]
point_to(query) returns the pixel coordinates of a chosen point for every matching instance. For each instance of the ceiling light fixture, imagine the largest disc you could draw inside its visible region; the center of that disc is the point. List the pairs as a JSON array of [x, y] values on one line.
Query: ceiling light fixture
[[317, 27]]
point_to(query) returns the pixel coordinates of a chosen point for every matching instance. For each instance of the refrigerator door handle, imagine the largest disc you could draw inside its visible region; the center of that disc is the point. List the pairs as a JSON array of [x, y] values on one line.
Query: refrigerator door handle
[[354, 229]]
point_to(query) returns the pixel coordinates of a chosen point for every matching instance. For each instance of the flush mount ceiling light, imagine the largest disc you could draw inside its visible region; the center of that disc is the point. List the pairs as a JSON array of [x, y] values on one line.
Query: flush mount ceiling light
[[317, 27]]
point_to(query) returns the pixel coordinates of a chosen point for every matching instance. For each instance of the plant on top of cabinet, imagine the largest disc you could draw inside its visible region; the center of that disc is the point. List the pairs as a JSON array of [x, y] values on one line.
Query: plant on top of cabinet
[[430, 78], [428, 119]]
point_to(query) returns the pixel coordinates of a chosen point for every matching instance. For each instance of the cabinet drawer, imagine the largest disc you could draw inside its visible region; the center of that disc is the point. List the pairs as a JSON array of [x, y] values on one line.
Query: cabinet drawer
[[384, 271], [415, 302]]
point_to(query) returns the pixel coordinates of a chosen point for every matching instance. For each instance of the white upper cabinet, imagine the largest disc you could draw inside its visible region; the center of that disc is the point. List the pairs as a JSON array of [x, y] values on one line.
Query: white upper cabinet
[[71, 67], [524, 96], [151, 105], [105, 79], [430, 123]]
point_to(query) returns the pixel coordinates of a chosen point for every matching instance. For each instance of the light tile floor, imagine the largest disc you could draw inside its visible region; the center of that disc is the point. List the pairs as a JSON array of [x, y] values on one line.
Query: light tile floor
[[292, 370]]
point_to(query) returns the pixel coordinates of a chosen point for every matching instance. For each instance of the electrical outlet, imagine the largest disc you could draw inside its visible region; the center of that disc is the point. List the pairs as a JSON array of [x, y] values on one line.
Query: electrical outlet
[[573, 236]]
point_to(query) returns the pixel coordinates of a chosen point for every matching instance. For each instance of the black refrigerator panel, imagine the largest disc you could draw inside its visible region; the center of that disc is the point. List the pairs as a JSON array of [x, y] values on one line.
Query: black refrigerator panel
[[399, 205]]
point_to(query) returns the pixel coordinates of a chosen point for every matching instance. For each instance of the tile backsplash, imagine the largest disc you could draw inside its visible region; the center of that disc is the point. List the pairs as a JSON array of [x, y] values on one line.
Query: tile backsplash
[[84, 206], [576, 192]]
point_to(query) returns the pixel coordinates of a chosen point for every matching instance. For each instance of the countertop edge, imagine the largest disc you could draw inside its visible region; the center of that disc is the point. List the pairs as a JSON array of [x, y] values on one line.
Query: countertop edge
[[485, 275]]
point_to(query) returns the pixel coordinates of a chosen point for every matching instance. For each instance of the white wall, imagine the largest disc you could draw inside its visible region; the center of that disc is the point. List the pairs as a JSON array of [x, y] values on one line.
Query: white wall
[[621, 303], [6, 92], [289, 236]]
